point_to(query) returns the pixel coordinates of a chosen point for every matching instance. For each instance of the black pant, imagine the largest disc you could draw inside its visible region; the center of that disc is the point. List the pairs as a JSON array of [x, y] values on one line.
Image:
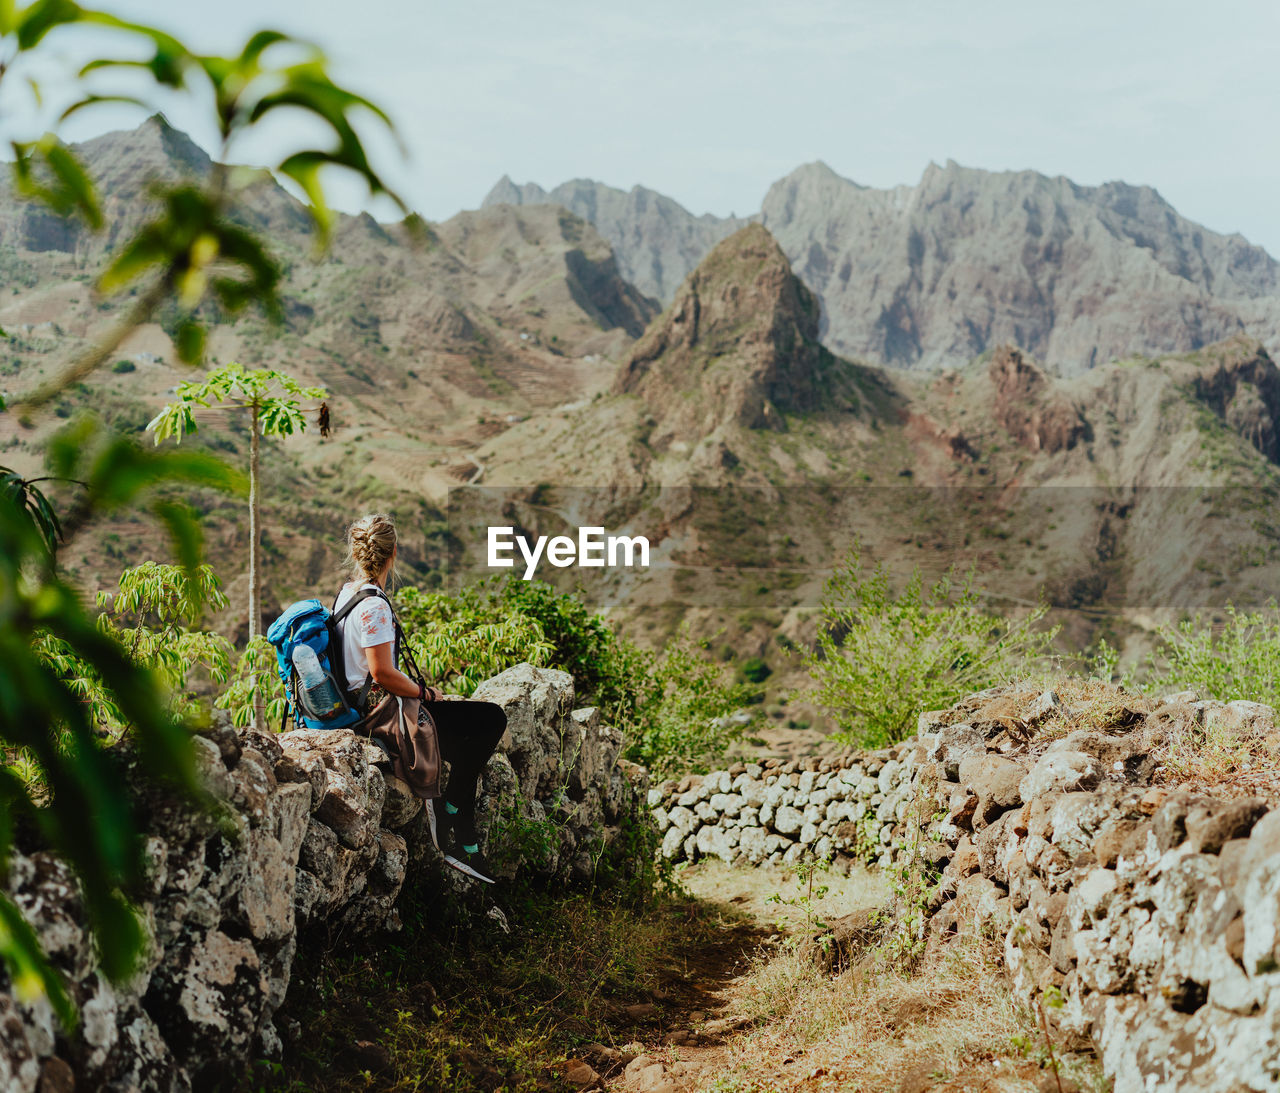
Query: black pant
[[469, 733]]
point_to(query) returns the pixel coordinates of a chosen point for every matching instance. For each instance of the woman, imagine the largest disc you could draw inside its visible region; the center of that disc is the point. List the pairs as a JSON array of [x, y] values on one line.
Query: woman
[[467, 732]]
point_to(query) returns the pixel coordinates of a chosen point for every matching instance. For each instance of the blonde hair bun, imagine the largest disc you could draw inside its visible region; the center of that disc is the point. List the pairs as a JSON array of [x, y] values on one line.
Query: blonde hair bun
[[371, 540]]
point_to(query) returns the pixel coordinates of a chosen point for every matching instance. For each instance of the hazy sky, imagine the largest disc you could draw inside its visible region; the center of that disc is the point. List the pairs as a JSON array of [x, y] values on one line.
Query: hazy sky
[[710, 101]]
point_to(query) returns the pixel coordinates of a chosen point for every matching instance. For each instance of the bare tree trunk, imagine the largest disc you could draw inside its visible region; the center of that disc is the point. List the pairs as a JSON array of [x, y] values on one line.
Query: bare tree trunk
[[255, 599]]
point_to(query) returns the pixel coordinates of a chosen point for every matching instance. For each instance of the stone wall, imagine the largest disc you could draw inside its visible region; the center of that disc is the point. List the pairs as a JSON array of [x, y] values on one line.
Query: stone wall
[[1154, 912], [313, 834], [778, 812], [1151, 911]]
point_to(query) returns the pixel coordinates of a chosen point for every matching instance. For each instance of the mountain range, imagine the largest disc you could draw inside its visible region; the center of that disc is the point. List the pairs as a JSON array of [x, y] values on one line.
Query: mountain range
[[717, 413], [932, 275]]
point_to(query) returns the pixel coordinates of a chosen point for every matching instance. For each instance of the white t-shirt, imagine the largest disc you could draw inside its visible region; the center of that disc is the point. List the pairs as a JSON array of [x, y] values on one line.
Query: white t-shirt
[[368, 624]]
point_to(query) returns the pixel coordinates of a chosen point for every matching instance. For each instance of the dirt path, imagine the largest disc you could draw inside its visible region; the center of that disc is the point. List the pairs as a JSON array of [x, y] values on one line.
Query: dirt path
[[682, 1041], [739, 1008]]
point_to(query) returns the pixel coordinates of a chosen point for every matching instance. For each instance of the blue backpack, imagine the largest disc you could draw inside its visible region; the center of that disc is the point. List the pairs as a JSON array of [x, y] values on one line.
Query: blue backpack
[[310, 623]]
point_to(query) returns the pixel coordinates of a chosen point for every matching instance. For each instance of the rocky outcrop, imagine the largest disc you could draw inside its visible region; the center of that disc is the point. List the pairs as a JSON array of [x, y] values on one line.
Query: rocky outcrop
[[313, 834], [1240, 383], [544, 259], [658, 242], [1029, 406], [738, 346]]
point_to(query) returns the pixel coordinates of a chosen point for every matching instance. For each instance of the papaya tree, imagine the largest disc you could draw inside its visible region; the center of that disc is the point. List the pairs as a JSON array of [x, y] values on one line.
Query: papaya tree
[[270, 399]]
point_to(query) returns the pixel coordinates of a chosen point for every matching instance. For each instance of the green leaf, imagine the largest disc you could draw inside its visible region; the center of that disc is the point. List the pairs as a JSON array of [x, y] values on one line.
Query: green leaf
[[37, 19], [68, 448], [169, 61], [185, 532], [74, 181], [150, 247], [60, 182], [258, 44], [30, 973], [96, 100], [189, 340], [196, 247], [308, 87], [116, 470], [31, 501], [304, 169]]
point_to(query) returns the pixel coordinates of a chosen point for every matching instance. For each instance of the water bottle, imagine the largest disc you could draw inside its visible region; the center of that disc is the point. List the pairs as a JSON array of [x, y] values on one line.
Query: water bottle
[[320, 696]]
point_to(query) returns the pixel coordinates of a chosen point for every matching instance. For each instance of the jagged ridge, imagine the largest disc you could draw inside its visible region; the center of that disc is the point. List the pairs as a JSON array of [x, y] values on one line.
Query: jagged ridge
[[930, 276]]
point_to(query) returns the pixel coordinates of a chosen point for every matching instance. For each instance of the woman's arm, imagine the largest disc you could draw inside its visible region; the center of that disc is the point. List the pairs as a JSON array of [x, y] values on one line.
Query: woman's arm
[[387, 676]]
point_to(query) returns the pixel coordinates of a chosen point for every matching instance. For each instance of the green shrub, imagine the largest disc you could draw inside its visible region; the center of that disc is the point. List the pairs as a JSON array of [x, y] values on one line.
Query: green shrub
[[123, 366], [880, 659], [576, 640], [756, 670], [1241, 659], [151, 618], [681, 719], [671, 706], [459, 641], [255, 686]]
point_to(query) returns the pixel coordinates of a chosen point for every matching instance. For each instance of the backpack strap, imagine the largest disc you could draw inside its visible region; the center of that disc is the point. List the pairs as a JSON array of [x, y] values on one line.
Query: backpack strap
[[360, 596], [416, 672]]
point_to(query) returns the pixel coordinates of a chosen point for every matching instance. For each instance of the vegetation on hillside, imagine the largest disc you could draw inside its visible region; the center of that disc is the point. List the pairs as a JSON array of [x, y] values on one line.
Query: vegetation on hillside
[[881, 658], [1237, 657]]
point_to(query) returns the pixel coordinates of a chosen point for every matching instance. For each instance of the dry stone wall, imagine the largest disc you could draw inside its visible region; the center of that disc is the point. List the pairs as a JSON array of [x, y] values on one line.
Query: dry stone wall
[[313, 834], [777, 812], [1146, 915], [1152, 912]]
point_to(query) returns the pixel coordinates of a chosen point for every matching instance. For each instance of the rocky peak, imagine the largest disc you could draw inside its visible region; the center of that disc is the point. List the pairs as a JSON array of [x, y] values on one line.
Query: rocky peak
[[813, 185], [154, 149], [506, 192], [1241, 384], [738, 345], [1029, 405], [549, 259], [123, 165]]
